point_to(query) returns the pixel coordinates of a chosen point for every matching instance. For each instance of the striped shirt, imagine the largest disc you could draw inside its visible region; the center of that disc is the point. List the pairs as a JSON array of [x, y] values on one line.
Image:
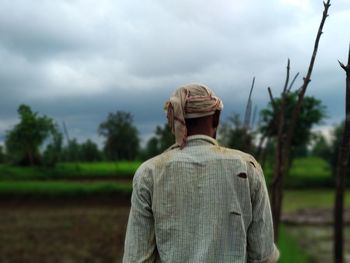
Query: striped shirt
[[204, 203]]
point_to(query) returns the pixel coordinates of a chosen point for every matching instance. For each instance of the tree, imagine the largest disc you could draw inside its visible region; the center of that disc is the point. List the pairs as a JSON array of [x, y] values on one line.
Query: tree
[[337, 135], [165, 137], [321, 147], [284, 139], [24, 140], [235, 135], [71, 152], [53, 151], [2, 155], [341, 171], [122, 141], [162, 140], [312, 112], [89, 151]]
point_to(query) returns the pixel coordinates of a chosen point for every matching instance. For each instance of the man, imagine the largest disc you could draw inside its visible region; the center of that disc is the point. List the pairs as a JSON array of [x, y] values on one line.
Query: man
[[197, 201]]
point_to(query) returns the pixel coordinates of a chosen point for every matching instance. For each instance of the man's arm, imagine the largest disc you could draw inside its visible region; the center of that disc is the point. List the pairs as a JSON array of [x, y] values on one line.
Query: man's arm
[[140, 243], [261, 247]]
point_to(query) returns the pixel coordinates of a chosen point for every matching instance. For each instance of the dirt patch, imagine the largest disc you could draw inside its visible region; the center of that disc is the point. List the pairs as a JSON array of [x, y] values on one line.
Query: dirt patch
[[314, 216], [62, 231]]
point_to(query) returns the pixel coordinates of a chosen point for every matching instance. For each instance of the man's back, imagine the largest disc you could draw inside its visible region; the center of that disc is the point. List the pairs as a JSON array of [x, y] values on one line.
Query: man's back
[[203, 203]]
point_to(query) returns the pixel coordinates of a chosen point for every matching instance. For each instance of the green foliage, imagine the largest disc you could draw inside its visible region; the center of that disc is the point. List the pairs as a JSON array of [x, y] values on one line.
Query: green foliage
[[24, 140], [98, 170], [320, 147], [291, 251], [162, 140], [90, 152], [233, 134], [312, 112], [85, 152], [337, 138], [122, 141], [53, 151], [71, 152], [329, 151], [2, 154]]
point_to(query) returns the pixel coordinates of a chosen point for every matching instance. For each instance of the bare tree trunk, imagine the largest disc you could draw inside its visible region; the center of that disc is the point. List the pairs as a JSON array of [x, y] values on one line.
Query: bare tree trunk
[[284, 141], [279, 167], [341, 171]]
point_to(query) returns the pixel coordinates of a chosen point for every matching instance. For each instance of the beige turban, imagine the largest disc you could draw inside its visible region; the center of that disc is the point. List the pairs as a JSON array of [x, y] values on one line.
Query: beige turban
[[189, 101]]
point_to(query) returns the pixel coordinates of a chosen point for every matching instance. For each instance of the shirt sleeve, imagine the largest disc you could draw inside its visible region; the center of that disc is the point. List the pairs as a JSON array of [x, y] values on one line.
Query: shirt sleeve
[[140, 243], [260, 236]]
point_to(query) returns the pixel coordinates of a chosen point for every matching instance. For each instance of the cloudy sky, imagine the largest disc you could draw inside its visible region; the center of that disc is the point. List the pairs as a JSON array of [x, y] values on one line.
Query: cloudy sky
[[77, 60]]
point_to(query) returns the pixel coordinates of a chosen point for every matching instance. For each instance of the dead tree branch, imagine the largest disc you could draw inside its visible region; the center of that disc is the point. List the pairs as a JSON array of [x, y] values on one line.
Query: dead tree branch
[[248, 109], [292, 83], [284, 140], [279, 167]]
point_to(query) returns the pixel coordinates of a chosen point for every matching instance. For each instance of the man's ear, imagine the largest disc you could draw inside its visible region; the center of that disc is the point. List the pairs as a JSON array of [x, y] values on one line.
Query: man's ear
[[216, 119]]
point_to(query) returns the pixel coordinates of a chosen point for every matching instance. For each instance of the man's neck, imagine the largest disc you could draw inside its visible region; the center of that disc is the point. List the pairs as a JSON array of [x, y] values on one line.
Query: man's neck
[[200, 132]]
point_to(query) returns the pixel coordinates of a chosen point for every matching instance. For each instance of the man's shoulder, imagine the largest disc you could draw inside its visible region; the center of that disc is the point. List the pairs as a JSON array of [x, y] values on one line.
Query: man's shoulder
[[236, 154], [156, 161]]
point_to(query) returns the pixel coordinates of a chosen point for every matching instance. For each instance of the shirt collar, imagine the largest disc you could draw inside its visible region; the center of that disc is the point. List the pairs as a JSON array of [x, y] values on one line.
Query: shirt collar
[[193, 138], [203, 138]]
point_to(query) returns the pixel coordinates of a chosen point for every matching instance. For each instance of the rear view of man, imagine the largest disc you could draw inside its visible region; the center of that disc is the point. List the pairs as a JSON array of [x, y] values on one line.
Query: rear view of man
[[197, 201]]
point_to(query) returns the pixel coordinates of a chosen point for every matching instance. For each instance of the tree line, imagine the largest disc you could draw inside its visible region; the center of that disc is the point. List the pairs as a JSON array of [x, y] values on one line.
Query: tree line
[[39, 140]]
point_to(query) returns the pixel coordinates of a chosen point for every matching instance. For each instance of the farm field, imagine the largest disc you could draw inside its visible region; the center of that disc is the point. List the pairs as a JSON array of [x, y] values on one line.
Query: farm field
[[93, 229], [85, 231], [78, 213]]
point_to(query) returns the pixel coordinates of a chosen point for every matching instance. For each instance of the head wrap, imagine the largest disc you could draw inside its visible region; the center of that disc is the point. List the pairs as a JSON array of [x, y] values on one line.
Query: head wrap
[[189, 101]]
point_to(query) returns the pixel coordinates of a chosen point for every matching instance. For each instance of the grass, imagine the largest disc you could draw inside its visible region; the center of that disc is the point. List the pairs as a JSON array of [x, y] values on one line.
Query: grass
[[310, 167], [69, 171], [315, 198], [290, 250], [309, 172], [305, 167], [62, 188]]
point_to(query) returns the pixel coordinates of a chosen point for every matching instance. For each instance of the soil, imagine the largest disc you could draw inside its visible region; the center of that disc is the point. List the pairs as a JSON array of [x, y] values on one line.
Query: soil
[[93, 230], [63, 231]]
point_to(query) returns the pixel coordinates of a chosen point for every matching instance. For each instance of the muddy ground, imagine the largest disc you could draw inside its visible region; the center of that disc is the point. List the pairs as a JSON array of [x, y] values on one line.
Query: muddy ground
[[89, 230]]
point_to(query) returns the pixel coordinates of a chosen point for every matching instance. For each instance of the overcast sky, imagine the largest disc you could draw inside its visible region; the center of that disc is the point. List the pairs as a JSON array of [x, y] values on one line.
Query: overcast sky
[[76, 61]]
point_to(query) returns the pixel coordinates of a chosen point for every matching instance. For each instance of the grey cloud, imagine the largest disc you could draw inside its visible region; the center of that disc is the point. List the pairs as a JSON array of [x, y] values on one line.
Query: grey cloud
[[78, 60]]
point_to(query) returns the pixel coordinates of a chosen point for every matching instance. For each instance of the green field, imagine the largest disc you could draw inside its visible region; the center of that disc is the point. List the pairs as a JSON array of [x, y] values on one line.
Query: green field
[[75, 180], [305, 167], [309, 168], [70, 171], [290, 250], [314, 198], [116, 177]]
